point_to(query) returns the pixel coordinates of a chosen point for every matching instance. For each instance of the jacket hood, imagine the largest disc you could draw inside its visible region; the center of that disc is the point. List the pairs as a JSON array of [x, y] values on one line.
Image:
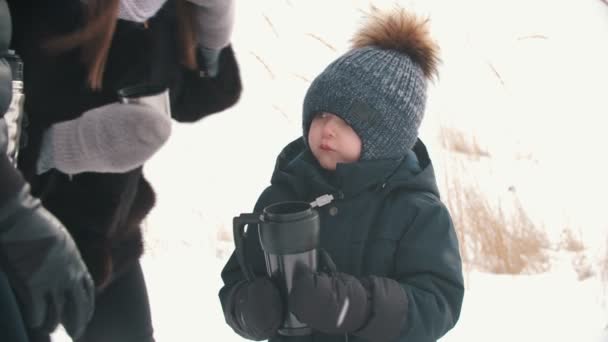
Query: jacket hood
[[298, 170]]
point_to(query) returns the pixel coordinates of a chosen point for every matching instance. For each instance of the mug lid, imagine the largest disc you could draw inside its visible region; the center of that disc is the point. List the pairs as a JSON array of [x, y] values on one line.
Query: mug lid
[[288, 210]]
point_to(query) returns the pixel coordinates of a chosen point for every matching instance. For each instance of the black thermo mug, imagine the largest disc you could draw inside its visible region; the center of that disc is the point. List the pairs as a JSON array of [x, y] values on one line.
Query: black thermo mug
[[289, 235]]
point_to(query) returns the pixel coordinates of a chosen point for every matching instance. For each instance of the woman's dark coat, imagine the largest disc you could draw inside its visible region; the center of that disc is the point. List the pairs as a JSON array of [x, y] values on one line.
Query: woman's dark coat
[[104, 211]]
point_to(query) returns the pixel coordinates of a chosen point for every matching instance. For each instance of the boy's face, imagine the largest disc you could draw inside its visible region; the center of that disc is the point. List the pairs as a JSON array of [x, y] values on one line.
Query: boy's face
[[333, 141]]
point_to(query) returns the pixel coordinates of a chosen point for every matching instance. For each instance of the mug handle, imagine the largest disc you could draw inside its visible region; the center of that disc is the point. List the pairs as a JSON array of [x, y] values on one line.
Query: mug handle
[[238, 229]]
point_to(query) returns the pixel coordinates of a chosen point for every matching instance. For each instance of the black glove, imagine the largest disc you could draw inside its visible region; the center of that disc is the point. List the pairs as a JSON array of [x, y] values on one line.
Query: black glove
[[255, 309], [331, 303], [374, 308], [44, 267]]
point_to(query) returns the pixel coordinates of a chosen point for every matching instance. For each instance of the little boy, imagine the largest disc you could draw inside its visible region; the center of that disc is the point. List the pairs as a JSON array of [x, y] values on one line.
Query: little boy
[[390, 237]]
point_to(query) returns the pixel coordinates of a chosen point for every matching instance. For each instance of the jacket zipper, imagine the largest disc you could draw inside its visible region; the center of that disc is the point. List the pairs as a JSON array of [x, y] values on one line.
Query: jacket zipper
[[325, 199]]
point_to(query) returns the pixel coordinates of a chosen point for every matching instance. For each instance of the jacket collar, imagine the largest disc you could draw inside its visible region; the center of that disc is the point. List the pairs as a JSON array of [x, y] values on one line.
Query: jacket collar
[[298, 163]]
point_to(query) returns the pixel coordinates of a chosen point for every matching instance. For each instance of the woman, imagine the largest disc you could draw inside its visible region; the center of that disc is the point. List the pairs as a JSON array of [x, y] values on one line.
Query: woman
[[77, 56]]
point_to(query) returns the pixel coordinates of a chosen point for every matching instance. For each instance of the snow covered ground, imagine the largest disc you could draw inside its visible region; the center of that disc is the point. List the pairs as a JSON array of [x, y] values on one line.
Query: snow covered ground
[[525, 78]]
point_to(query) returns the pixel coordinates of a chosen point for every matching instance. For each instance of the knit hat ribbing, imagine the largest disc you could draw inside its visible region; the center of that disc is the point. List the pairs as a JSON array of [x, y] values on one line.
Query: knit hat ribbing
[[379, 86]]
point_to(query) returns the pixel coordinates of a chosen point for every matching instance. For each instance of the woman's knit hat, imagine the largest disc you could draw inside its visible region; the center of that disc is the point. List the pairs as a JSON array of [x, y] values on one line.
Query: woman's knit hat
[[379, 86]]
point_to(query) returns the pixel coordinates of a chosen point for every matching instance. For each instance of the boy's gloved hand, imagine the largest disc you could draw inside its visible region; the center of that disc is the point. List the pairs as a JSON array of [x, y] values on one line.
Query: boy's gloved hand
[[44, 266], [330, 303], [255, 309]]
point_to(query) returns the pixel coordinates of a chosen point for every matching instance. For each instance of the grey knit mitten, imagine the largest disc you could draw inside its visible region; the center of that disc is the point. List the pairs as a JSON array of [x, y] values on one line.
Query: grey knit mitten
[[117, 137], [214, 24]]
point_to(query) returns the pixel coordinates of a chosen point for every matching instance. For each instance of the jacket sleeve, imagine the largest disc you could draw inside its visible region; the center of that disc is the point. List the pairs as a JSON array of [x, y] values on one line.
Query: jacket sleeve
[[423, 300], [214, 22], [196, 96]]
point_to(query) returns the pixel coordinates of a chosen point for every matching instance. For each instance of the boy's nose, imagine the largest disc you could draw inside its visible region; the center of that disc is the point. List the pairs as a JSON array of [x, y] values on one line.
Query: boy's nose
[[329, 128]]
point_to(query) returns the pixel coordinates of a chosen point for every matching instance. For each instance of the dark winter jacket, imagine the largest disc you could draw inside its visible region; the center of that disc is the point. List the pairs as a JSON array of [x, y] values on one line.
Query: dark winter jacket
[[103, 211], [387, 220]]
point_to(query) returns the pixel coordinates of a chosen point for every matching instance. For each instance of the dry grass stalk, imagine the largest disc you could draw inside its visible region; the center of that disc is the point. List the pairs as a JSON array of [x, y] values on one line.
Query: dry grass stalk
[[571, 243], [223, 234], [496, 73], [492, 240], [278, 109], [582, 266], [331, 47], [533, 36], [269, 22], [303, 78], [224, 243], [456, 208], [264, 64], [456, 141], [603, 268]]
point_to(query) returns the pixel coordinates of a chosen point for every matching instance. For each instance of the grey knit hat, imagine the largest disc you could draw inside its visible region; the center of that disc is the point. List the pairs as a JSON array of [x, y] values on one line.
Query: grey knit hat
[[379, 86]]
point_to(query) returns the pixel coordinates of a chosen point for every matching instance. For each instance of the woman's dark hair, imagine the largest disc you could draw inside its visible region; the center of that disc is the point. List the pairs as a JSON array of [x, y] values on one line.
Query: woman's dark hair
[[95, 38]]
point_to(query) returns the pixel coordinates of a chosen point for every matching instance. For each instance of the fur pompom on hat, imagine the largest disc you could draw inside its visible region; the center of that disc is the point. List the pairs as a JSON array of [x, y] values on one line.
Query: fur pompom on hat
[[379, 86]]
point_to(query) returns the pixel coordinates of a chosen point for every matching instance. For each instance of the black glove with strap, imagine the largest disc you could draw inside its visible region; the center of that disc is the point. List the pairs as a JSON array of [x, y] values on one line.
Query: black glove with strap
[[331, 303], [254, 309], [44, 267], [337, 303]]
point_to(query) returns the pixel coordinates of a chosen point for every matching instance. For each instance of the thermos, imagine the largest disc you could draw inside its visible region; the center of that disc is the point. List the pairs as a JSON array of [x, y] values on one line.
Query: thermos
[[289, 236], [14, 114]]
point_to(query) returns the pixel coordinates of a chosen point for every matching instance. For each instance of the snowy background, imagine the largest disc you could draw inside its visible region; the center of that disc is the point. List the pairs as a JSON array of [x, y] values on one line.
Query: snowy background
[[523, 82]]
